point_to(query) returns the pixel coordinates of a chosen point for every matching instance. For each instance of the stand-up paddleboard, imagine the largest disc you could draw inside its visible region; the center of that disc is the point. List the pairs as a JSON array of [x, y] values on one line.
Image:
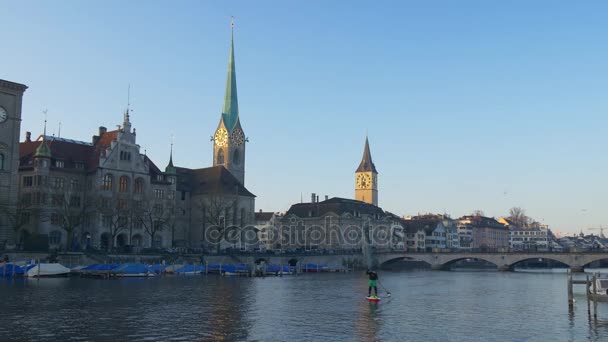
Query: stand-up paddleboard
[[373, 299]]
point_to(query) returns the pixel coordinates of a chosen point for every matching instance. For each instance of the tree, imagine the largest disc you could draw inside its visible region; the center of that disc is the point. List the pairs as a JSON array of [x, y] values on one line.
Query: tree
[[153, 217], [18, 216], [68, 209], [518, 216], [115, 216], [215, 210]]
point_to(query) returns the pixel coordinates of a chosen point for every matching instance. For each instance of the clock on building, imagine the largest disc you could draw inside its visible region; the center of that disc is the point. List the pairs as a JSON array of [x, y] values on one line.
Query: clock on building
[[221, 137], [3, 115], [237, 136], [363, 181]]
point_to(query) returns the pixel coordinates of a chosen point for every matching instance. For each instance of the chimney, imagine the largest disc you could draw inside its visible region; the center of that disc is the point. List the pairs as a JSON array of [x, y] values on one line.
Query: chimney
[[95, 139], [102, 130], [28, 136], [313, 196], [260, 210], [317, 199]]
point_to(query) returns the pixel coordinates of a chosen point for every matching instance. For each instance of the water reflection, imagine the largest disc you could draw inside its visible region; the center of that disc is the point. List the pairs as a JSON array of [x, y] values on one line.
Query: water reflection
[[329, 307]]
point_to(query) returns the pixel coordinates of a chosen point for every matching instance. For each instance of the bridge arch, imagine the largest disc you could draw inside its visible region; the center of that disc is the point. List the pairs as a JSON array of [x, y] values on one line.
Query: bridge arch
[[512, 265]]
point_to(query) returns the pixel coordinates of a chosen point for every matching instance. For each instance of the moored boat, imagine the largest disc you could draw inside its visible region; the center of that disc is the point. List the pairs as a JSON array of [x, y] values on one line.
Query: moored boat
[[599, 292], [48, 270]]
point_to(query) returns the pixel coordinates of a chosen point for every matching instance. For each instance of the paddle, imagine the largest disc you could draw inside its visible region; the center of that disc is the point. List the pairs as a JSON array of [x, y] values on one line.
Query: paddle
[[388, 293]]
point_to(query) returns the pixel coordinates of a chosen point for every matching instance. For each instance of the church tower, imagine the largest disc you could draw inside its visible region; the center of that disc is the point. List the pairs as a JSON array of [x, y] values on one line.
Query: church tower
[[11, 95], [229, 139], [366, 178]]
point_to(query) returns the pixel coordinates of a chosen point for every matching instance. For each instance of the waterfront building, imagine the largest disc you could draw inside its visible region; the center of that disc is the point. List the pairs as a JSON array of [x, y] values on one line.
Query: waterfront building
[[267, 223], [105, 193], [441, 232], [11, 98], [487, 233]]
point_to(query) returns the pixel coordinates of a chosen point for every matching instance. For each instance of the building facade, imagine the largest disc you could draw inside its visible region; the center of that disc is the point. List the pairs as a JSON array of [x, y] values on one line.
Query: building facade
[[487, 233], [11, 99]]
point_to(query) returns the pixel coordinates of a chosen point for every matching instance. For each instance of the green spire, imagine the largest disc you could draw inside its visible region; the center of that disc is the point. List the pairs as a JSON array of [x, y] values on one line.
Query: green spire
[[43, 150], [230, 111]]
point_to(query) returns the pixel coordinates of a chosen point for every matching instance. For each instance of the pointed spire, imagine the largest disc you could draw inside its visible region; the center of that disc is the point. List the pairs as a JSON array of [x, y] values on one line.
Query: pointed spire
[[170, 168], [43, 150], [126, 125], [230, 111], [366, 162]]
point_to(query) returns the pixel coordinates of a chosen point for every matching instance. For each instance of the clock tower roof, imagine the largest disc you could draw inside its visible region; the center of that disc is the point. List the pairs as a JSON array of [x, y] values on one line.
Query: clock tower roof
[[230, 110], [367, 164]]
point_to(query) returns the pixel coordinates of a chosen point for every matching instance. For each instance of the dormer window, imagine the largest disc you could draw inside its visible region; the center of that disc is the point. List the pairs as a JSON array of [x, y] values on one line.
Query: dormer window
[[159, 178], [59, 164], [79, 165]]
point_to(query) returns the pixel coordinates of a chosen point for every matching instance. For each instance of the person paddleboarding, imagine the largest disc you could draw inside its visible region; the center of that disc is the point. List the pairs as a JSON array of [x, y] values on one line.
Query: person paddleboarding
[[373, 278]]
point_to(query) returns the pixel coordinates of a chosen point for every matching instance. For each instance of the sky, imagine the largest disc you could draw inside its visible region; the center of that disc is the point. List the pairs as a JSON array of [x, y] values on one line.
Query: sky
[[469, 105]]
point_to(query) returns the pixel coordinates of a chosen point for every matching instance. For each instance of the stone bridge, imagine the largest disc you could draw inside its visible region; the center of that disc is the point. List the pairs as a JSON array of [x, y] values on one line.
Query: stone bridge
[[503, 261]]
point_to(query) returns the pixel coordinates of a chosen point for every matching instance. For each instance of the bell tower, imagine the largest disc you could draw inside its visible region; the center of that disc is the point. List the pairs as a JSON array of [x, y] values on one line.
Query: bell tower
[[229, 139], [11, 95], [366, 178]]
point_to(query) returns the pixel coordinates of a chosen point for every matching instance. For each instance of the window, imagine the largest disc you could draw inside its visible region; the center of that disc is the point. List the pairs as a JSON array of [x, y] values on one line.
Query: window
[[59, 164], [27, 181], [137, 224], [74, 184], [75, 201], [122, 204], [171, 195], [57, 200], [2, 159], [106, 221], [220, 157], [158, 209], [79, 165], [124, 155], [159, 178], [183, 195], [107, 182], [139, 186], [159, 193], [55, 237], [58, 183], [123, 184], [236, 157], [55, 219], [105, 203]]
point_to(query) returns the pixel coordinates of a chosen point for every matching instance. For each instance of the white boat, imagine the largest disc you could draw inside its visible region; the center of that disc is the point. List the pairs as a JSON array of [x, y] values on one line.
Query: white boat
[[48, 270], [601, 290]]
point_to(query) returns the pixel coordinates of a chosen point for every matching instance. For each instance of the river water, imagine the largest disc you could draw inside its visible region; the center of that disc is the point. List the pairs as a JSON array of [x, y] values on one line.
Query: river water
[[424, 306]]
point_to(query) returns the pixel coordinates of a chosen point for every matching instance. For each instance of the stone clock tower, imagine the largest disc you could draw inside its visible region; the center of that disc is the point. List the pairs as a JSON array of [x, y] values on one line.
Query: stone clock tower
[[229, 139], [366, 178], [11, 95]]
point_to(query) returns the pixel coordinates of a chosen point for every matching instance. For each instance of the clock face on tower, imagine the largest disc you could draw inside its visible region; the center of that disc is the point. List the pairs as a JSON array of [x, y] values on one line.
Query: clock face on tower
[[364, 181], [3, 115], [221, 137], [237, 136]]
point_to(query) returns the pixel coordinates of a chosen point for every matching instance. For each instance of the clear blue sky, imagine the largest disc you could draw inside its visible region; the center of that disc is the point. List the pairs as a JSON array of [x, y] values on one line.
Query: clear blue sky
[[469, 104]]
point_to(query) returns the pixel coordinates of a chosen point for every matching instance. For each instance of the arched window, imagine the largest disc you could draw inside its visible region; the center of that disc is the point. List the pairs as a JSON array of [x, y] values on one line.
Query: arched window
[[55, 237], [220, 157], [123, 184], [2, 161], [236, 157], [139, 186], [107, 182]]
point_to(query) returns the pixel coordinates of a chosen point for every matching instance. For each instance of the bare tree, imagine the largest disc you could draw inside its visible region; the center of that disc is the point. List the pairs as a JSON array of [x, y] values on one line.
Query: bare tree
[[215, 211], [115, 216], [153, 217], [69, 209], [478, 213], [518, 216], [18, 216]]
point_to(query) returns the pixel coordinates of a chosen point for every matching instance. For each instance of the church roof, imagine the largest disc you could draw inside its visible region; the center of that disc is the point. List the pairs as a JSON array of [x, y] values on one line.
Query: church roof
[[366, 162], [230, 110], [215, 180], [335, 205]]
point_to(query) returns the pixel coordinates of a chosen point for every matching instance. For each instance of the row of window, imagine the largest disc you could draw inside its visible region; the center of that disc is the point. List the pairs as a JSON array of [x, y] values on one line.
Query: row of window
[[123, 184], [2, 161], [56, 182]]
